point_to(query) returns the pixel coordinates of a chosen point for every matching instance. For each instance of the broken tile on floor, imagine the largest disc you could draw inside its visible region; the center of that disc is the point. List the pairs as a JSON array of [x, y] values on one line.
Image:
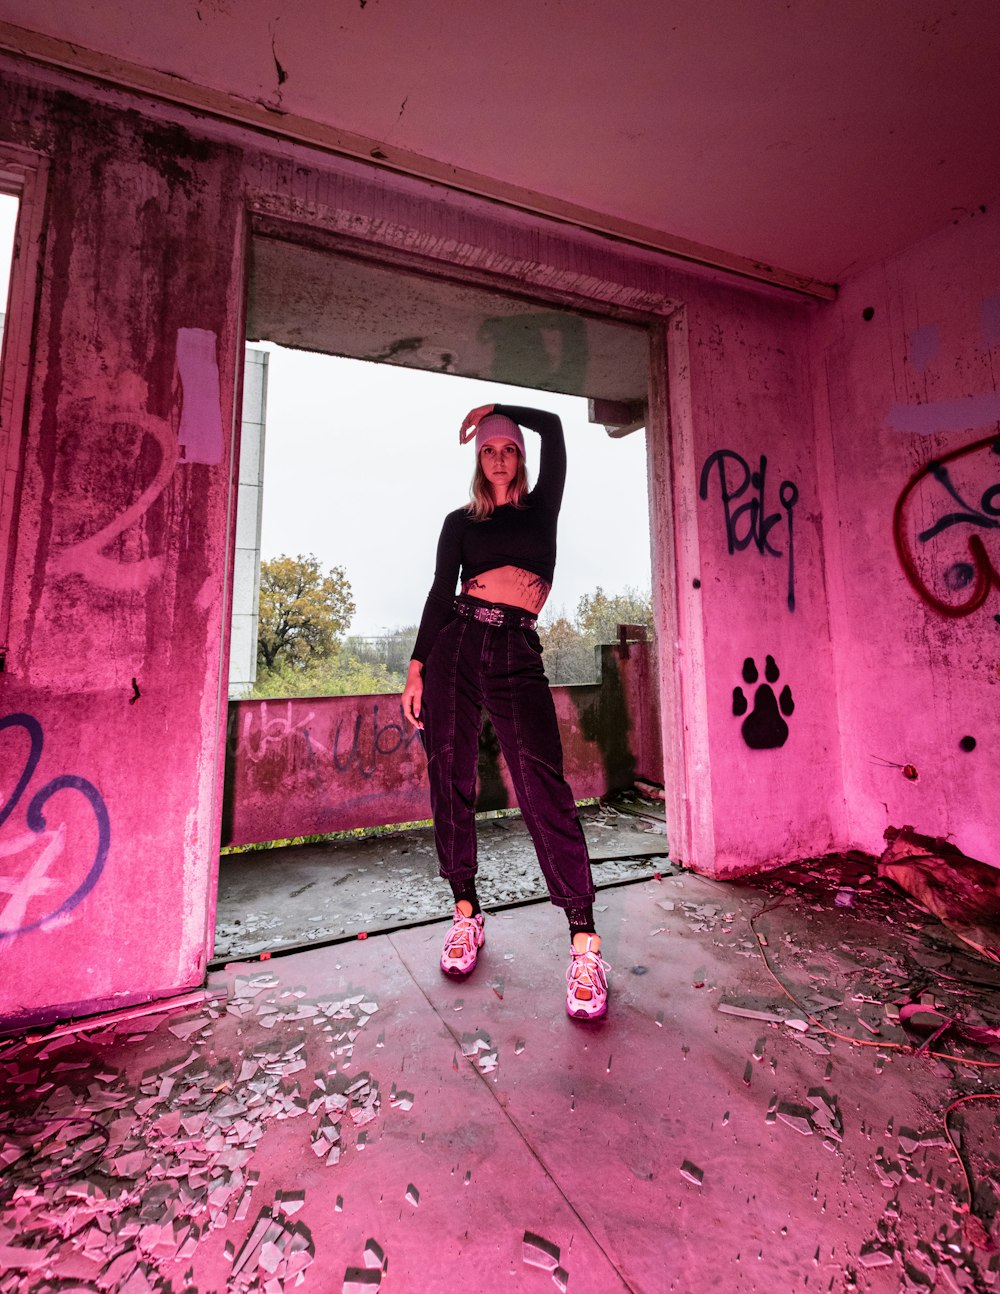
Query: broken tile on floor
[[539, 1252], [226, 1141]]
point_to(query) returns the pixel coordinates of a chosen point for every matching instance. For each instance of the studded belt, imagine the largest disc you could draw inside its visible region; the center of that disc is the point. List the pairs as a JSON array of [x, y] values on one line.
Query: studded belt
[[488, 613]]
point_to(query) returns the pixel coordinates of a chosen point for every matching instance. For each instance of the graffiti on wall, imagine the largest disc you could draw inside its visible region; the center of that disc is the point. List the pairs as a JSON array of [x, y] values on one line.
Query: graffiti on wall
[[198, 439], [87, 557], [763, 728], [42, 878], [945, 525], [360, 743], [743, 495]]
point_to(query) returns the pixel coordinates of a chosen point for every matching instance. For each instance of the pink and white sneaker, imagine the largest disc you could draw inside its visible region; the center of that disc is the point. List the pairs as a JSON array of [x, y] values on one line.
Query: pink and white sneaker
[[587, 983], [462, 943]]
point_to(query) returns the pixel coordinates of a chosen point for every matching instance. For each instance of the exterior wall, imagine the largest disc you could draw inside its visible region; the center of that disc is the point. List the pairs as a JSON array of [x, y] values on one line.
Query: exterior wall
[[125, 534], [318, 764], [916, 615]]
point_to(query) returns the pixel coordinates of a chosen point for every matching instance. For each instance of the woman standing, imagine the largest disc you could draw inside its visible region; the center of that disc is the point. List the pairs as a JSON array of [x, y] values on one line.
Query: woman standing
[[480, 649]]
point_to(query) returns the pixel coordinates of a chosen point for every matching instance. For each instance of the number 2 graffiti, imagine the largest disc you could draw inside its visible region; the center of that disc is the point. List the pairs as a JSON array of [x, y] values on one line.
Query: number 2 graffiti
[[931, 569], [24, 887]]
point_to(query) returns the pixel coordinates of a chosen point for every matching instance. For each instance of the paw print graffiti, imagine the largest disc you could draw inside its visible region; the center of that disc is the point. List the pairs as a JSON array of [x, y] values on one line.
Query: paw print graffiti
[[763, 728], [40, 879]]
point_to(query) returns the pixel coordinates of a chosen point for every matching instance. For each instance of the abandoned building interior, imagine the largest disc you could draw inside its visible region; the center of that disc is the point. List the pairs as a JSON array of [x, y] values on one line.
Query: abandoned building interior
[[765, 239]]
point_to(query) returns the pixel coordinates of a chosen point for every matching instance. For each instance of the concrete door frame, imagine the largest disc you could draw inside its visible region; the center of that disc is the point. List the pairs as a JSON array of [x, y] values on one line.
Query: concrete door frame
[[673, 496], [24, 175], [669, 447]]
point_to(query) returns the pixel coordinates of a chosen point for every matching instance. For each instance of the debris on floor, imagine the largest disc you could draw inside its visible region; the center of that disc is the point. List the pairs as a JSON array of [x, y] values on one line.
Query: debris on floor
[[963, 893], [154, 1166], [692, 1173], [539, 1252], [825, 1077]]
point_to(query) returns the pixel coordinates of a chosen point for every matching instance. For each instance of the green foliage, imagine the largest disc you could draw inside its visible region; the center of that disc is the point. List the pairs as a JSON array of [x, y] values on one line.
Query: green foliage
[[302, 612], [392, 648], [598, 616], [336, 675], [571, 646], [354, 833], [569, 656]]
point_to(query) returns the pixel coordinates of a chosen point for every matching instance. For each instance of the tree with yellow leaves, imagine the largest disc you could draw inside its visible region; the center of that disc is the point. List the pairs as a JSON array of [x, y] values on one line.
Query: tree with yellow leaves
[[303, 611]]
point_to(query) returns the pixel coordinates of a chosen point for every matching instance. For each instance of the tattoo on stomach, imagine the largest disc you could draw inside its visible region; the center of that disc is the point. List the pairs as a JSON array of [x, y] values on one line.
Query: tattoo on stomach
[[510, 584], [534, 586]]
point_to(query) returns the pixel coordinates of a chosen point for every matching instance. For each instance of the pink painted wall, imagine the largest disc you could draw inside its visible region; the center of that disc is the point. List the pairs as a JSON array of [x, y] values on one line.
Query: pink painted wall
[[124, 532], [917, 659], [307, 766], [757, 662], [108, 791]]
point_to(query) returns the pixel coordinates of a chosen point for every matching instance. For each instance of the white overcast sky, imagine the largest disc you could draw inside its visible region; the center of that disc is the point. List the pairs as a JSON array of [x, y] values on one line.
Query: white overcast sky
[[8, 218], [362, 462]]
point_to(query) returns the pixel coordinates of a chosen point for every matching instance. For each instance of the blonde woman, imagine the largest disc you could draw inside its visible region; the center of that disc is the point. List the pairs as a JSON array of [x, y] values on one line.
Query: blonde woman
[[480, 650]]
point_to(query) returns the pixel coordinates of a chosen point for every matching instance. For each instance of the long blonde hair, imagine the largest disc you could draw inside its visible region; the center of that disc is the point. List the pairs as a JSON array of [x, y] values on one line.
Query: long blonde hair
[[481, 492]]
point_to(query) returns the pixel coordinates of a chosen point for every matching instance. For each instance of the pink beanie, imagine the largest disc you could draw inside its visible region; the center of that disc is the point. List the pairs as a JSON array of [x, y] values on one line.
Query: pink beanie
[[497, 426]]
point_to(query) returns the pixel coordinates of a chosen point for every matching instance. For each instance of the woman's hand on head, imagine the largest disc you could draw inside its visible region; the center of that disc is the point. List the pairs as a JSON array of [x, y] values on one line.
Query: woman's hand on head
[[413, 694], [472, 421]]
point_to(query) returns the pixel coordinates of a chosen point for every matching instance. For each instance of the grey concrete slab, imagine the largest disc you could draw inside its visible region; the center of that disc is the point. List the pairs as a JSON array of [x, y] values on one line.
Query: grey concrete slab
[[446, 1188], [316, 892], [673, 1146], [619, 1112]]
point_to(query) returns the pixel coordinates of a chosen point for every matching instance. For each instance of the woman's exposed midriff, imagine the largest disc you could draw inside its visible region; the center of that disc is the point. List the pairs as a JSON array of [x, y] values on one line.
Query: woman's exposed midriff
[[511, 586]]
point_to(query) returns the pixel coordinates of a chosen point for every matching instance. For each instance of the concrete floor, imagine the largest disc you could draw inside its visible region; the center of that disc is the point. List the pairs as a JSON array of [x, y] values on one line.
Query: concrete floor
[[306, 894], [346, 1118]]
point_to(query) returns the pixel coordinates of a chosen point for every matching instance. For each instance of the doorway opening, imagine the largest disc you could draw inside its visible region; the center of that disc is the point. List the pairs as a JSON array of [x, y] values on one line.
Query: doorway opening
[[10, 205], [358, 466]]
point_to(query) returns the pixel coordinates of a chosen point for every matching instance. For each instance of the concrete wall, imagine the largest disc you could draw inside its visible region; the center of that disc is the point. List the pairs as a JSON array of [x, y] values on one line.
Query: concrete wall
[[318, 764], [763, 757], [249, 513], [125, 534], [110, 700], [905, 376]]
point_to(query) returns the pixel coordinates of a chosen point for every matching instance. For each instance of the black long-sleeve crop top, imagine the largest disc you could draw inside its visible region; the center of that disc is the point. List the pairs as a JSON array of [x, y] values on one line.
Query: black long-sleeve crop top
[[524, 537]]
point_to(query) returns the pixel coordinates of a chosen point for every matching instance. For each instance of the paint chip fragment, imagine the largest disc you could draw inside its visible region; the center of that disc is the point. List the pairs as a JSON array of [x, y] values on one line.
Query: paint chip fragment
[[692, 1173], [358, 1280], [796, 1116], [749, 1013], [374, 1254], [875, 1256], [539, 1252]]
